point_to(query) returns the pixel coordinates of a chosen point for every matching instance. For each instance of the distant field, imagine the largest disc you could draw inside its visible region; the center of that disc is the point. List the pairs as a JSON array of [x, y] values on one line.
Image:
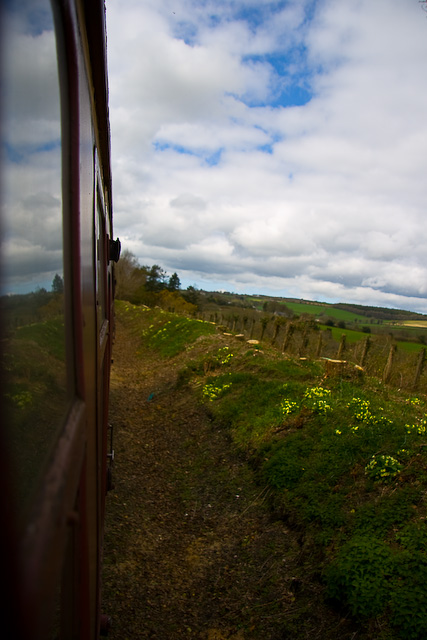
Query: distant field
[[410, 347], [320, 309], [416, 324], [352, 336]]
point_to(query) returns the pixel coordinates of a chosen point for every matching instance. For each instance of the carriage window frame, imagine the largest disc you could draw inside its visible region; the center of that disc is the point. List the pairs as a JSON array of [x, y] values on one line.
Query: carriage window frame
[[101, 239]]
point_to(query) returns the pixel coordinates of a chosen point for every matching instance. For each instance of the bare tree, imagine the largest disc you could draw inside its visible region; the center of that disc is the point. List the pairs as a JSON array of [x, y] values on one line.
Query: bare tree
[[130, 276]]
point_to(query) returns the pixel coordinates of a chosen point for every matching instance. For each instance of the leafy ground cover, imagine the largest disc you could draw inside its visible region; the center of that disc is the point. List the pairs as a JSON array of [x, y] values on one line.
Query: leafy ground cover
[[342, 462]]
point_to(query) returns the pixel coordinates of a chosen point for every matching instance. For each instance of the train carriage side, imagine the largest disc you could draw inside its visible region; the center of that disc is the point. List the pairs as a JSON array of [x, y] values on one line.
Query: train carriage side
[[57, 274]]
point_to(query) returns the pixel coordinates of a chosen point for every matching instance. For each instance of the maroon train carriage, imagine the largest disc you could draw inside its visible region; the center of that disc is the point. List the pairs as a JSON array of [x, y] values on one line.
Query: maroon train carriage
[[57, 275]]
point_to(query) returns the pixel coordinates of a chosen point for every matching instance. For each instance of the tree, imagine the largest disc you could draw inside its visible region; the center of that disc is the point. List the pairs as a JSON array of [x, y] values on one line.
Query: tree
[[173, 301], [156, 279], [57, 284], [130, 276], [174, 283], [275, 306], [191, 295]]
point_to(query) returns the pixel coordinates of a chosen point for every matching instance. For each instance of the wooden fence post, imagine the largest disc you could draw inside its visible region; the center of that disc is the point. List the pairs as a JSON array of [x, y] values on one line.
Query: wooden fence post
[[276, 331], [264, 322], [419, 369], [389, 365], [341, 347], [252, 329], [366, 346], [319, 345], [304, 342], [288, 334]]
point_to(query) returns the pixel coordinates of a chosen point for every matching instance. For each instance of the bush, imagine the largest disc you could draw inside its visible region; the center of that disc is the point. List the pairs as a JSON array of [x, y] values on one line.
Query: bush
[[360, 576], [372, 580], [408, 603]]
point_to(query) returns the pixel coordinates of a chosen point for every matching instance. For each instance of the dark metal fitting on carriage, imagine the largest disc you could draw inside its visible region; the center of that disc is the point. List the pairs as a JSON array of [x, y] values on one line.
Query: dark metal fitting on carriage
[[114, 249]]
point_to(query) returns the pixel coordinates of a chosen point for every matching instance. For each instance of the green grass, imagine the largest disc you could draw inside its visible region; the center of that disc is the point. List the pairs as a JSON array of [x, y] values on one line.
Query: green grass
[[326, 310], [173, 335], [167, 333], [410, 347]]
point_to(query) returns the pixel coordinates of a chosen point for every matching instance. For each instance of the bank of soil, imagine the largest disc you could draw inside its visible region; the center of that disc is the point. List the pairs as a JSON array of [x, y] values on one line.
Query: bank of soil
[[193, 548]]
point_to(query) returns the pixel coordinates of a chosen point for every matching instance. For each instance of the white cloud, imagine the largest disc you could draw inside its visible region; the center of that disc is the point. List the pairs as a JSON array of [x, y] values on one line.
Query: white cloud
[[213, 176]]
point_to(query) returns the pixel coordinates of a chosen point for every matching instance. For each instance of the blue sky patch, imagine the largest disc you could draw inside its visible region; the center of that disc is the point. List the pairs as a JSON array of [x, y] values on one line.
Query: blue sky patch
[[166, 146], [211, 159], [214, 158], [255, 16]]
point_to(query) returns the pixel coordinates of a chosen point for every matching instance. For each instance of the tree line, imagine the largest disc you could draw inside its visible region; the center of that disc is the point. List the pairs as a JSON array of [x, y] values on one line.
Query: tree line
[[151, 285]]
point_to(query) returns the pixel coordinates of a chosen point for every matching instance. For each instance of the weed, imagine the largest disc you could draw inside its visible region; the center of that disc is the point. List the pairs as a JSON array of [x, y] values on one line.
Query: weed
[[381, 467], [212, 391], [420, 427], [288, 406]]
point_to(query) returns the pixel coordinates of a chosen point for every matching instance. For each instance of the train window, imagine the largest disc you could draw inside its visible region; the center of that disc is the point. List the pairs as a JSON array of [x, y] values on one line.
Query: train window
[[32, 283]]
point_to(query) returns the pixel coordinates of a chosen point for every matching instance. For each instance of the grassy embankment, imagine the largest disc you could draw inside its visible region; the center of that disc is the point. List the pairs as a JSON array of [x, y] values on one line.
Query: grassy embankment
[[345, 459]]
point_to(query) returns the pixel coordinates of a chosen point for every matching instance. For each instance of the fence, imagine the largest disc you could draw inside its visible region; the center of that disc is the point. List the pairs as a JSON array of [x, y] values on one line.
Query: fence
[[374, 355]]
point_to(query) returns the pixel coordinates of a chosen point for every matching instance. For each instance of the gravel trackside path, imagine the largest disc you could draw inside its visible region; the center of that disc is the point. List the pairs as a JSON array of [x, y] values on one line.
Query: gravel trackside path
[[192, 548]]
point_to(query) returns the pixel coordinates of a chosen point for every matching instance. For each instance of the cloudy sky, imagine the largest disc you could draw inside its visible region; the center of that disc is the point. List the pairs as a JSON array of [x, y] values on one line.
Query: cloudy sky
[[273, 146]]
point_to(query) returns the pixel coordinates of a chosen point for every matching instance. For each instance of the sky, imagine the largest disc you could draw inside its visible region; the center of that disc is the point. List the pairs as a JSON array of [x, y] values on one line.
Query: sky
[[273, 146]]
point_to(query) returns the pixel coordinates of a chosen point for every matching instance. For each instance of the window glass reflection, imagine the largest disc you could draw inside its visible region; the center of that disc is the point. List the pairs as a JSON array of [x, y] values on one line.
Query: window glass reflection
[[31, 287]]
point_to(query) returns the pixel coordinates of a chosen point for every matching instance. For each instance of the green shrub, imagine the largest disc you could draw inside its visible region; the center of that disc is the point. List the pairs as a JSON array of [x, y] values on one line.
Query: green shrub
[[382, 467], [372, 580], [408, 603], [360, 576]]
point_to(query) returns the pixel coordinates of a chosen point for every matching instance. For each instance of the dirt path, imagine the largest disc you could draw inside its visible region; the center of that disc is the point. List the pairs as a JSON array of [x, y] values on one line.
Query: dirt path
[[192, 549]]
